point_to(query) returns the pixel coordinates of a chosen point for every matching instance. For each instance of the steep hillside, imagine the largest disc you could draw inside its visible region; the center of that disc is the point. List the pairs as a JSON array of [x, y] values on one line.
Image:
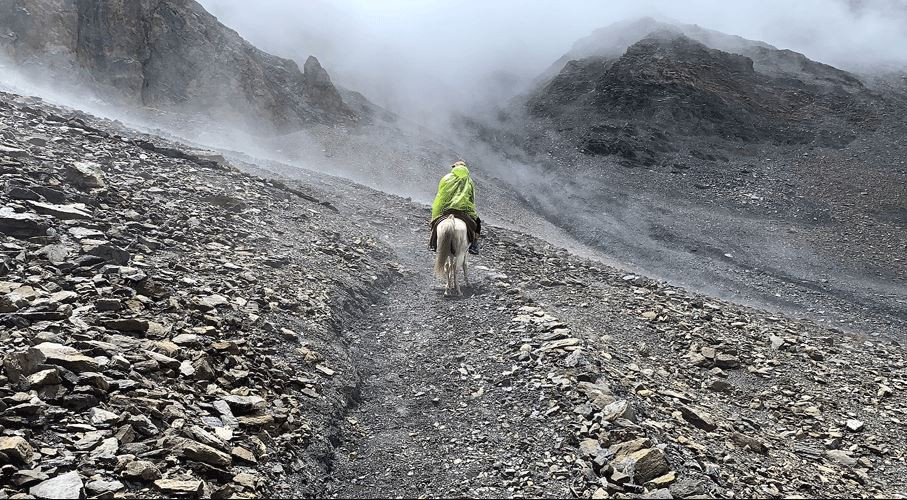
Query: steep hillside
[[172, 326], [723, 164], [646, 104], [171, 55]]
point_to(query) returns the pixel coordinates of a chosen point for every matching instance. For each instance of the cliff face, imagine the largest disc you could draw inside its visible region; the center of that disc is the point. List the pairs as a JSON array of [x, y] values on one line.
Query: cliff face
[[168, 54], [668, 91]]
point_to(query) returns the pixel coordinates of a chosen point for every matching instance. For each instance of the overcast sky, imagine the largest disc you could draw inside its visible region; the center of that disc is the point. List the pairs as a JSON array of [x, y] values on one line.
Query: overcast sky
[[416, 56]]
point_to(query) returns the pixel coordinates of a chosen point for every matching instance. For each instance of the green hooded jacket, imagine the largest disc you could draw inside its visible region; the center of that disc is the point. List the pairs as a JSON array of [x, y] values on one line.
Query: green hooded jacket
[[455, 191]]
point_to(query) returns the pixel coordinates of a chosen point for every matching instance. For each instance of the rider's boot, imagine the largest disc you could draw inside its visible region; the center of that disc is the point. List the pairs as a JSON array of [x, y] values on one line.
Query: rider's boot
[[474, 248]]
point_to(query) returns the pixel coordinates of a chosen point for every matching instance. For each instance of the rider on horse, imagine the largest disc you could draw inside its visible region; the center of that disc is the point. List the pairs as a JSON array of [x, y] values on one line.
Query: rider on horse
[[456, 196]]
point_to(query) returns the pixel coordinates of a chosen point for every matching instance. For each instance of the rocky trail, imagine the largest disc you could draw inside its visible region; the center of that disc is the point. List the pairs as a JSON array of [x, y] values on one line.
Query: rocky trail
[[439, 412], [176, 324], [661, 392], [444, 408]]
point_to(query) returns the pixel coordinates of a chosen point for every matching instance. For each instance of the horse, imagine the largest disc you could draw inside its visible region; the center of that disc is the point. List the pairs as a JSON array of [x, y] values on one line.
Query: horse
[[453, 244]]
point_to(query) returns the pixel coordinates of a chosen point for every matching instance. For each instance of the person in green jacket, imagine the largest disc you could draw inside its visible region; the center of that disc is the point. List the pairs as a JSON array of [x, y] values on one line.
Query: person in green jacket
[[456, 195]]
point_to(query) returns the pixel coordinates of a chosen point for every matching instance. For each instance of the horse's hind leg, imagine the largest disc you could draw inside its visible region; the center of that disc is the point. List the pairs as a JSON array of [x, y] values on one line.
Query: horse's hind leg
[[447, 287], [453, 266], [452, 276], [465, 274]]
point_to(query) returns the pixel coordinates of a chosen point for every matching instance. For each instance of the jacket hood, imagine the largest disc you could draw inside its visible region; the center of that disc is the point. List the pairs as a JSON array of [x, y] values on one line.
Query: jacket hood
[[460, 171]]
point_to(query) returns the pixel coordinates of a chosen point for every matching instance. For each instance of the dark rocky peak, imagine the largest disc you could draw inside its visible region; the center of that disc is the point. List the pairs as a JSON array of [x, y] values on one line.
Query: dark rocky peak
[[169, 55], [659, 67], [669, 47], [613, 41], [668, 87], [315, 74]]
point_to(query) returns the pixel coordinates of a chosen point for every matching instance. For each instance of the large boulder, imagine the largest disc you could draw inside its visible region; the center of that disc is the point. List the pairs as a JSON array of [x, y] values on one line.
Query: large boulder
[[64, 486], [642, 465], [24, 225], [106, 250], [84, 175], [142, 470], [203, 453], [21, 364], [67, 357], [17, 449]]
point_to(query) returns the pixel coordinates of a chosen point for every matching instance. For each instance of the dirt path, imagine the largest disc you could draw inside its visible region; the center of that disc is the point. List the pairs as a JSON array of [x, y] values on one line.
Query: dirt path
[[441, 410], [639, 387]]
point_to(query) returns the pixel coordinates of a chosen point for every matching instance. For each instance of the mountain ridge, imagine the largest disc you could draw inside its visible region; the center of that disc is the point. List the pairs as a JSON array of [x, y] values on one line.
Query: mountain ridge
[[749, 175], [170, 54], [629, 102]]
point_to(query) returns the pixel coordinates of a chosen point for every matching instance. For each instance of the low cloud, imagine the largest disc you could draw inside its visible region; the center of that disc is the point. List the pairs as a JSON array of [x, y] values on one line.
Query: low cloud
[[425, 58]]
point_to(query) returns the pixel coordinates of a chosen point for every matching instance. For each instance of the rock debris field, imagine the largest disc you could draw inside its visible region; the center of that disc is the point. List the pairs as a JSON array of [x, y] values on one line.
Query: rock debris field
[[175, 324]]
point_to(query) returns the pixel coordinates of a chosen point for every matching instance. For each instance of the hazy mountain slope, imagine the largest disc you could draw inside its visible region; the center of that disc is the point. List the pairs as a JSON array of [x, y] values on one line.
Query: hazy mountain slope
[[170, 67], [168, 54], [644, 104], [764, 177]]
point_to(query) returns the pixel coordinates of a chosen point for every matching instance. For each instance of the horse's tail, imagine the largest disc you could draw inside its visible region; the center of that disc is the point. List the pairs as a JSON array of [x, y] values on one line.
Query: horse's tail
[[445, 246]]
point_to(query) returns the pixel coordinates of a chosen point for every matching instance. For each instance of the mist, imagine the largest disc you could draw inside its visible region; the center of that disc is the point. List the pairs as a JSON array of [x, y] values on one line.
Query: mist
[[424, 59]]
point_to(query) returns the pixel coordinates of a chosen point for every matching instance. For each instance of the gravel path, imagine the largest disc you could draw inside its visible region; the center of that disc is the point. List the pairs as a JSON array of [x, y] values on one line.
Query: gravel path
[[576, 379], [443, 409]]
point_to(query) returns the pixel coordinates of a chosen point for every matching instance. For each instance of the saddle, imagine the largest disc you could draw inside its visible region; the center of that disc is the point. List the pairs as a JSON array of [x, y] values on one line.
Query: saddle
[[463, 216]]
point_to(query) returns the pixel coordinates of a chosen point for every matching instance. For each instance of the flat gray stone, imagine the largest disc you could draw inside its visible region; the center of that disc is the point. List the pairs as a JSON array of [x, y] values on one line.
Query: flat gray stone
[[83, 233], [101, 486], [67, 357], [64, 486], [73, 211], [85, 175], [22, 225]]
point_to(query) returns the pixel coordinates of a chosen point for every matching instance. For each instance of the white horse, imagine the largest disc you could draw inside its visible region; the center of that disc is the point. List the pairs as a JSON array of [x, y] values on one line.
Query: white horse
[[453, 244]]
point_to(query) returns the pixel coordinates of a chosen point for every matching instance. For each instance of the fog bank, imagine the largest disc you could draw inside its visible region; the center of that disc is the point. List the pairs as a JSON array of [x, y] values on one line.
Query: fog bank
[[425, 58]]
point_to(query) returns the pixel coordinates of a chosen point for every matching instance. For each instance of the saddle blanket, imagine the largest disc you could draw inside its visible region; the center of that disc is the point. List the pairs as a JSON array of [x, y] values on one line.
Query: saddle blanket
[[470, 227]]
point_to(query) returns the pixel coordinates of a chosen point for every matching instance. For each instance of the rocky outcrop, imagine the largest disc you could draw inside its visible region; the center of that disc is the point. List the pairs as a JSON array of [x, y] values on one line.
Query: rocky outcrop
[[612, 41], [642, 99], [168, 54]]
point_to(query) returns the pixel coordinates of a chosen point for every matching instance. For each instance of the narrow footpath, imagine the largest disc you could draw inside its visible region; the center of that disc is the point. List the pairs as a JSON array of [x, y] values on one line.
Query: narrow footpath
[[444, 407]]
